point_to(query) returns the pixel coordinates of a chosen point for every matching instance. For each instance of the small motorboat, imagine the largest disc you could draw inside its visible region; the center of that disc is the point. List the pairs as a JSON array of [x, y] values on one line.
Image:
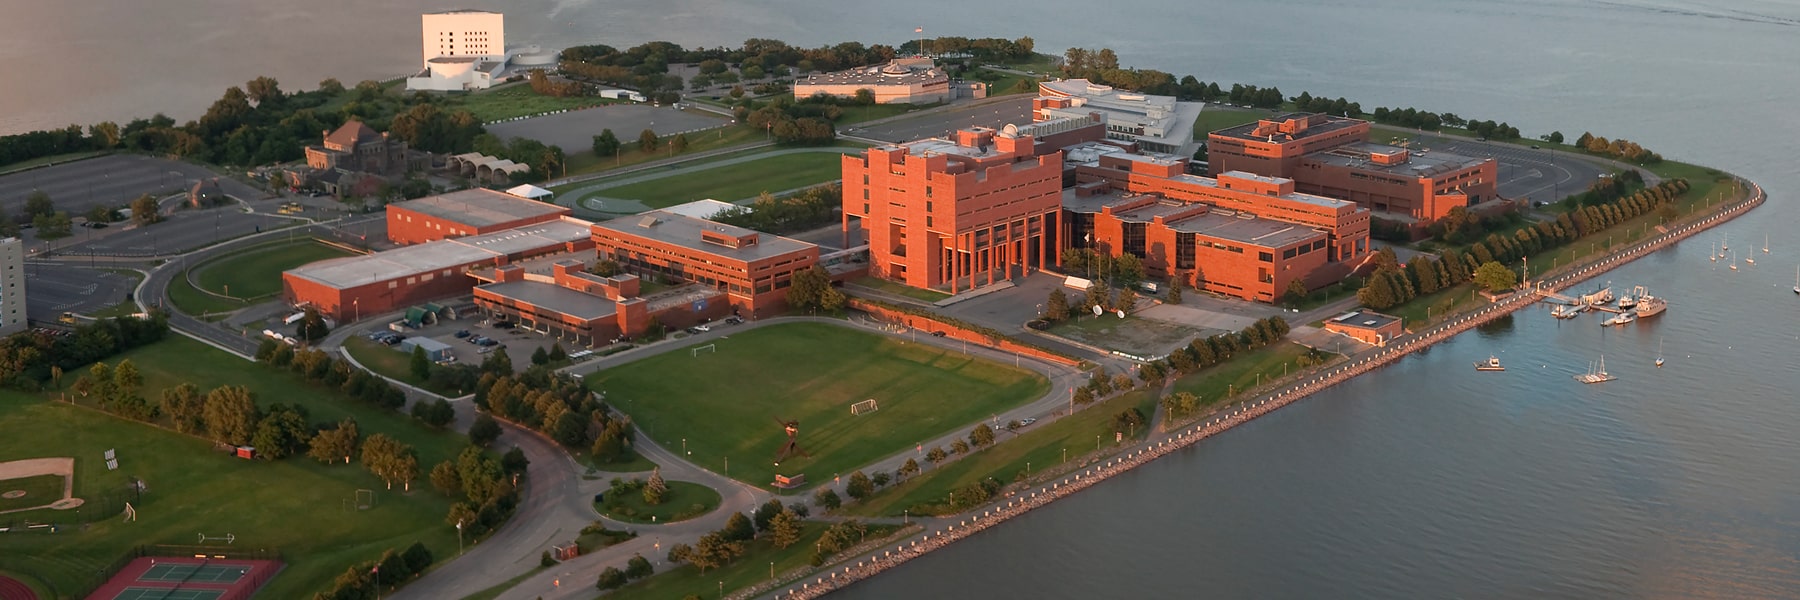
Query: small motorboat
[[1491, 364]]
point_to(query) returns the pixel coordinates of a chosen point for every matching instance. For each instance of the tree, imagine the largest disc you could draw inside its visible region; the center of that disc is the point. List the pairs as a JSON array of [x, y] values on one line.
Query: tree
[[909, 469], [679, 143], [1494, 276], [647, 140], [1174, 291], [655, 489], [312, 327], [421, 366], [606, 144], [184, 406], [959, 447], [881, 478], [484, 430], [1056, 307], [446, 480], [982, 436], [611, 578], [865, 96], [540, 357], [38, 204], [281, 433], [335, 445], [1296, 291], [143, 210], [935, 456], [607, 267], [784, 529], [714, 550], [827, 498], [738, 528], [557, 354], [859, 487], [230, 415], [638, 567], [811, 291], [389, 459], [52, 227]]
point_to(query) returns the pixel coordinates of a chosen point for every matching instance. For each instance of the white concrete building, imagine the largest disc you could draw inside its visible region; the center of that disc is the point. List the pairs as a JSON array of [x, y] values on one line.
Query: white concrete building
[[1156, 123], [464, 33], [12, 286], [462, 49]]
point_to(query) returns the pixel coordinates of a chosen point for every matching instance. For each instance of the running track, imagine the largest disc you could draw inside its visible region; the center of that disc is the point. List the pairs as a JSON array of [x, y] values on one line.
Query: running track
[[12, 589]]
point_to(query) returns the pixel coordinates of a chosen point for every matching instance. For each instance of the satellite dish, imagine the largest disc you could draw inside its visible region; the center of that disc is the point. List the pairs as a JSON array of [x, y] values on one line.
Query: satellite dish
[[1121, 313], [1098, 310]]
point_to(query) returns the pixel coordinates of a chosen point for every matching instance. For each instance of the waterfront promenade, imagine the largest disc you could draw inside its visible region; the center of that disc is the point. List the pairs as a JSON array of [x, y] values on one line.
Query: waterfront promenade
[[875, 562]]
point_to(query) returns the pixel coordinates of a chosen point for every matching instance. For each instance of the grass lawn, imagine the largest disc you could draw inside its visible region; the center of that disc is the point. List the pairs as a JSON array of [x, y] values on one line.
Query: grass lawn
[[49, 160], [894, 287], [517, 100], [637, 464], [39, 490], [386, 360], [727, 403], [731, 183], [1215, 117], [295, 505], [1037, 447], [750, 569], [683, 501], [188, 299], [256, 272], [1132, 335], [497, 590], [1241, 372], [858, 114], [1005, 84]]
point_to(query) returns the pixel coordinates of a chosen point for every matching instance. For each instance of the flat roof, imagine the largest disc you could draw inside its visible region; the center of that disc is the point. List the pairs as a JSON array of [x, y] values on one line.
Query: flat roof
[[556, 298], [1294, 196], [1361, 319], [1356, 156], [891, 73], [1259, 231], [1246, 131], [700, 209], [684, 231], [480, 207], [430, 257], [1148, 214], [1094, 203]]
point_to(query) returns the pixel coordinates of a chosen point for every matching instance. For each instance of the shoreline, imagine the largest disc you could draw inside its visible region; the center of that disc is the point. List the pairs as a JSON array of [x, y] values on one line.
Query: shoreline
[[871, 564]]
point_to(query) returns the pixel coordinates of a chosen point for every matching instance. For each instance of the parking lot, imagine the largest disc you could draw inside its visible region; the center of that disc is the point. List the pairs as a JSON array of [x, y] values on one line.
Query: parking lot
[[55, 289], [1541, 175], [574, 131], [1015, 111], [469, 347], [113, 180]]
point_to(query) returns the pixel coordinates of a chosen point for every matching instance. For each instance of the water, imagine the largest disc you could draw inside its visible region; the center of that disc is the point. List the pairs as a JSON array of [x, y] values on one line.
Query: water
[[1425, 479]]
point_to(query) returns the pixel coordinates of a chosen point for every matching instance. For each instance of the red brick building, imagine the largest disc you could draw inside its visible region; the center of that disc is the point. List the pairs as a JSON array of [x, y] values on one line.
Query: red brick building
[[348, 288], [752, 269], [467, 212], [1240, 234], [1331, 156], [956, 213], [1368, 327], [590, 310]]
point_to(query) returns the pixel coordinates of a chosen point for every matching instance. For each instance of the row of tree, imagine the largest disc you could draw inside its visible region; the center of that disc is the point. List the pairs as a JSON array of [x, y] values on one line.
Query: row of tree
[[362, 580], [800, 211], [32, 358], [484, 488], [1391, 284], [1211, 350], [559, 407], [988, 49], [1621, 149]]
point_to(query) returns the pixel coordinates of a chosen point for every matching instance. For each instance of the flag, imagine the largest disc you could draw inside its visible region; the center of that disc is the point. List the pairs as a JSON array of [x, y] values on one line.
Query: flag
[[918, 30], [375, 570]]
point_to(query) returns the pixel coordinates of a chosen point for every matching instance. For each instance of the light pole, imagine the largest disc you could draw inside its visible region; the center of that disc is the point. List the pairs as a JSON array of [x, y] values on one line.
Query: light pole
[[684, 449], [459, 542]]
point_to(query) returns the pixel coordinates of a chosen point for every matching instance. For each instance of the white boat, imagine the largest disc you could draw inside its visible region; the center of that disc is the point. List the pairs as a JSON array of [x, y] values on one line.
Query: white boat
[[1627, 302], [1621, 319], [1726, 244], [1712, 252], [1734, 261], [1491, 364], [1570, 312], [1596, 375], [1797, 279], [1765, 243], [1650, 306], [1659, 358]]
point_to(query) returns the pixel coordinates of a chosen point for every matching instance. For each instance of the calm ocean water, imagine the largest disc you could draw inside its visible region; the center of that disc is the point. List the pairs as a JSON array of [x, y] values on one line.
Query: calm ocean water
[[1425, 479]]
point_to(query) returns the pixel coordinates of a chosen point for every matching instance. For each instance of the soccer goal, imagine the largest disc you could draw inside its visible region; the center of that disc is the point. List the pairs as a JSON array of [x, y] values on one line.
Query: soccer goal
[[707, 348], [864, 407]]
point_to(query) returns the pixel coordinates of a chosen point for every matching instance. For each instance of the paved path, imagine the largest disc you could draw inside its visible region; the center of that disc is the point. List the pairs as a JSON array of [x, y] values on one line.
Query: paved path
[[585, 196]]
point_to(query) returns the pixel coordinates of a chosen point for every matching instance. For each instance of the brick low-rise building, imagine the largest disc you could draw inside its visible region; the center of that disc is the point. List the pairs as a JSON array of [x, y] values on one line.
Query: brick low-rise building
[[590, 310], [1368, 327], [752, 269], [1331, 156], [462, 213]]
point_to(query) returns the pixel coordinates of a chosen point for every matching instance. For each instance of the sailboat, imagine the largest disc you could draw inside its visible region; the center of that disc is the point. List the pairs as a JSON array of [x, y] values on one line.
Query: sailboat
[[1659, 358], [1596, 375], [1726, 244], [1765, 243], [1734, 261], [1797, 279], [1713, 253]]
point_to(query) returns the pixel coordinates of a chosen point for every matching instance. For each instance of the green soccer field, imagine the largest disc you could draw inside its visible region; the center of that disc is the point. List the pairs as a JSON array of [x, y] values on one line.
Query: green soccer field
[[731, 183], [725, 404]]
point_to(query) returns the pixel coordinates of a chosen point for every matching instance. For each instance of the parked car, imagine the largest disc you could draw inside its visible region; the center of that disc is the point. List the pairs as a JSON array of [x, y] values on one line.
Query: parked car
[[937, 334], [1027, 421], [462, 333], [488, 342], [734, 320], [476, 339], [702, 328]]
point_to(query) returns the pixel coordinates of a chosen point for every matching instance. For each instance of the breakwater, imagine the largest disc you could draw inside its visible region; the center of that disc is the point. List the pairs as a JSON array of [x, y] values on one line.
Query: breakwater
[[870, 564]]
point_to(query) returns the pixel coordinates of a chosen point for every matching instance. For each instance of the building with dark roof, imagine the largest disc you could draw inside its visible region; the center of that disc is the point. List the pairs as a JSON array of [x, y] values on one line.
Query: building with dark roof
[[1365, 326], [466, 212], [590, 310], [1331, 156], [355, 147], [752, 269]]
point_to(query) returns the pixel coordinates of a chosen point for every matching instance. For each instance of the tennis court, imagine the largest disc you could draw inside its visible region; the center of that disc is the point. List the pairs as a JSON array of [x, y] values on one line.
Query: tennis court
[[194, 573], [147, 593]]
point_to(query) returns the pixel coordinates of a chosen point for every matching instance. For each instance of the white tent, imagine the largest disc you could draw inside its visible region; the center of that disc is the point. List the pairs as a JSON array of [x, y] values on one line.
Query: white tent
[[531, 192]]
